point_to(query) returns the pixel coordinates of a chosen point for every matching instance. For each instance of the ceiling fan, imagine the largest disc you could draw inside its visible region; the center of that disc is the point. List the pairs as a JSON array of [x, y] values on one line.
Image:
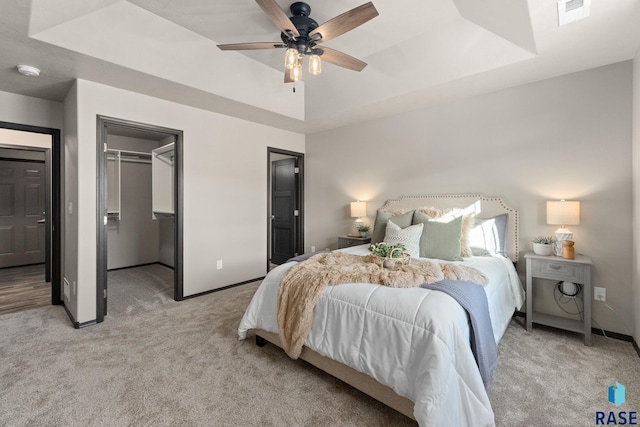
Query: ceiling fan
[[301, 36]]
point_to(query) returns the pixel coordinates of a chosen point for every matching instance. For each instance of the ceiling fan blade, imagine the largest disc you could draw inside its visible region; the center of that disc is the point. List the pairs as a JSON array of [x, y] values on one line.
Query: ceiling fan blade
[[278, 17], [251, 46], [342, 59], [345, 22]]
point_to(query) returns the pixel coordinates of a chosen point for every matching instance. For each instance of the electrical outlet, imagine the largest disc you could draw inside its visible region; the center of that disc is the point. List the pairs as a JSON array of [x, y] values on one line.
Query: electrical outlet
[[313, 248], [219, 264], [599, 294]]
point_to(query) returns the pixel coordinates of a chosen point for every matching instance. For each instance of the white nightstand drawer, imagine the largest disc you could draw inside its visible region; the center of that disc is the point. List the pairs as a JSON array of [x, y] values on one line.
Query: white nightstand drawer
[[558, 270]]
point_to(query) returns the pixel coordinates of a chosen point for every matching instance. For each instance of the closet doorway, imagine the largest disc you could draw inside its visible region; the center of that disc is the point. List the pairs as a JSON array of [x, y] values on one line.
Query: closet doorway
[[30, 220], [139, 197], [285, 209]]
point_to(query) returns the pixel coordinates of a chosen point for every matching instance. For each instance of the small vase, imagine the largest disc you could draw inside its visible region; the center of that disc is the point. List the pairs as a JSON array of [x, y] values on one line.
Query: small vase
[[363, 234], [542, 249]]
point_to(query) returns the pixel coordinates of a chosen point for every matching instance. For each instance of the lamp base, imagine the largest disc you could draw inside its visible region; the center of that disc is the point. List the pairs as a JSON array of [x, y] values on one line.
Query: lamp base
[[561, 234]]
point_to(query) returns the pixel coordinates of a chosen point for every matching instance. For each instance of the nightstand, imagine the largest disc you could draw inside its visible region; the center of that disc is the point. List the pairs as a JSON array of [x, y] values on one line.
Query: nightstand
[[347, 241], [576, 270]]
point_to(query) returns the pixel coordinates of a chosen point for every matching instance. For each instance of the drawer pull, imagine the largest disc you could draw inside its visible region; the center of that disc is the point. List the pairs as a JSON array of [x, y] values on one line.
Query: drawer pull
[[555, 267]]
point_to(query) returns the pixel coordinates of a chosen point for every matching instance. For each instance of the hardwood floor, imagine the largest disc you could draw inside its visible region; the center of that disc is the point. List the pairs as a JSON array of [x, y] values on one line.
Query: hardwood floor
[[22, 288]]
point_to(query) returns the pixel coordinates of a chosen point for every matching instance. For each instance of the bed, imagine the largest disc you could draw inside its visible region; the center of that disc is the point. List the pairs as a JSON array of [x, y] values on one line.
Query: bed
[[409, 348]]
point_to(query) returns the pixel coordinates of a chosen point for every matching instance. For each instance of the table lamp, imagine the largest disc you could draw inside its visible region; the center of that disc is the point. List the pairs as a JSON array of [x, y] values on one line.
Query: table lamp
[[563, 213], [358, 211]]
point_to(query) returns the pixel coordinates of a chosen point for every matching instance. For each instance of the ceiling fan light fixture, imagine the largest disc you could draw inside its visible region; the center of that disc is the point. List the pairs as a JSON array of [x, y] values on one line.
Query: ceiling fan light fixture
[[315, 64], [290, 58], [296, 72]]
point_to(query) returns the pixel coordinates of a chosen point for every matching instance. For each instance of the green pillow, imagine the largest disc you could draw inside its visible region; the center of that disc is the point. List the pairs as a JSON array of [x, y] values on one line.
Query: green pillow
[[439, 240], [380, 225]]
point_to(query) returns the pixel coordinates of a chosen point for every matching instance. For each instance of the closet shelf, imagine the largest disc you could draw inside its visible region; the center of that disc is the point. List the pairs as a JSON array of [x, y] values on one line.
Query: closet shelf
[[162, 170]]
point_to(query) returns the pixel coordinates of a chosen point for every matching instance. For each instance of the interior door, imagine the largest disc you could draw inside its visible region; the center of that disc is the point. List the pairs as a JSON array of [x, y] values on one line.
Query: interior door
[[22, 206], [284, 210]]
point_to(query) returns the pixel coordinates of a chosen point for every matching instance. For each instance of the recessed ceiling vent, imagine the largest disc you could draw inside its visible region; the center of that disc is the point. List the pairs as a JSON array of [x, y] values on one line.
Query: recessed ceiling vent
[[572, 10]]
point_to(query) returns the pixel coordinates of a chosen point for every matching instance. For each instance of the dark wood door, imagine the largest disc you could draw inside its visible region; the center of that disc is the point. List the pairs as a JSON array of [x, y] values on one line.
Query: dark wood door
[[22, 205], [284, 210]]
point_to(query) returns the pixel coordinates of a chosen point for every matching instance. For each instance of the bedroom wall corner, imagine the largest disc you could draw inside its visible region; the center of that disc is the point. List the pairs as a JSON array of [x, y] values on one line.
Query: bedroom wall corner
[[636, 197], [225, 187], [565, 137]]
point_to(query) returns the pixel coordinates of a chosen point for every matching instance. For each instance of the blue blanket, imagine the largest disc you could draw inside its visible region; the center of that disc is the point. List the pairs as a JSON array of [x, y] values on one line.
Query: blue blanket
[[473, 299], [306, 256]]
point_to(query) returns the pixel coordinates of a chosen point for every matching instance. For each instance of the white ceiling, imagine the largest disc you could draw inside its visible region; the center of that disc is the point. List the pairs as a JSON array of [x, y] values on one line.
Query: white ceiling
[[420, 53]]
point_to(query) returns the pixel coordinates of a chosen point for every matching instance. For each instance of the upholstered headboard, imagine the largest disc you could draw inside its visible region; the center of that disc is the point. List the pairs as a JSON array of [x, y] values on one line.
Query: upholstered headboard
[[476, 204]]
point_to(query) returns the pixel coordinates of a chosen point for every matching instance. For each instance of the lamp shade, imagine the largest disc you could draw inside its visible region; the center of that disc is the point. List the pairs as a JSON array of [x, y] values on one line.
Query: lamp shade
[[358, 209], [563, 212]]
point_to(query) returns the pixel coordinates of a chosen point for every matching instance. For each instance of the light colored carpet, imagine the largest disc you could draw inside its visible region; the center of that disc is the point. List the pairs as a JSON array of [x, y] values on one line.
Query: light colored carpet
[[157, 362]]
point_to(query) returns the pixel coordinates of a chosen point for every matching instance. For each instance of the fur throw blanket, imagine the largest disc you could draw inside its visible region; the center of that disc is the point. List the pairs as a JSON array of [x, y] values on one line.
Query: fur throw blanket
[[302, 285]]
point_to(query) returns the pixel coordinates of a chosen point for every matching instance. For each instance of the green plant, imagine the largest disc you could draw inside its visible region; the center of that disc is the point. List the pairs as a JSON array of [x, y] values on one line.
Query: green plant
[[384, 250], [545, 240], [363, 227]]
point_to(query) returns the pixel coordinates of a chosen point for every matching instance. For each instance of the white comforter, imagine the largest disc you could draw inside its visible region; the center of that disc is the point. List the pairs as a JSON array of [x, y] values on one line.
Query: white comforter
[[414, 340]]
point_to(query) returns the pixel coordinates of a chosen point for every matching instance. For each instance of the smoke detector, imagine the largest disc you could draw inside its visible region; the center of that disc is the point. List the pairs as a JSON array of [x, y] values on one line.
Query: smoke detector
[[572, 10], [28, 70]]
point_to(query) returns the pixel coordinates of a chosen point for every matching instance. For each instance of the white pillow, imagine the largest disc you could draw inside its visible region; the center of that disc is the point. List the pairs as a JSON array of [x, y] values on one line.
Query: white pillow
[[409, 237]]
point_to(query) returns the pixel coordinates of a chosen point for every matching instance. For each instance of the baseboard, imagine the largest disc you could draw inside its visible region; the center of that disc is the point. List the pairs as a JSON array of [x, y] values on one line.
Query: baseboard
[[635, 345], [609, 334], [596, 331], [76, 325], [164, 265], [135, 266], [223, 288], [25, 265]]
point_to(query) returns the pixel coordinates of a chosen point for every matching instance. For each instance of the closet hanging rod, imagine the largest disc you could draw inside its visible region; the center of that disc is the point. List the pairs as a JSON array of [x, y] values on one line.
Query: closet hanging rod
[[135, 160], [129, 153]]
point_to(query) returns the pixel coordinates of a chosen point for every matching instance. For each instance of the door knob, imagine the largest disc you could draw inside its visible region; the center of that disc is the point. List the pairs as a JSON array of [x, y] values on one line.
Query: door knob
[[41, 221]]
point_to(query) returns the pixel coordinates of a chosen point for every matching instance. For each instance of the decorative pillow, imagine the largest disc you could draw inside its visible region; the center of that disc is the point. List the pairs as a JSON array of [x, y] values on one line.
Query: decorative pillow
[[467, 225], [380, 224], [440, 237], [479, 251], [490, 234], [409, 237]]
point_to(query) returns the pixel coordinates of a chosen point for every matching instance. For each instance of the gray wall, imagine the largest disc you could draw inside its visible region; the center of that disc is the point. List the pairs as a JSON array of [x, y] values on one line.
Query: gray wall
[[135, 238], [567, 137]]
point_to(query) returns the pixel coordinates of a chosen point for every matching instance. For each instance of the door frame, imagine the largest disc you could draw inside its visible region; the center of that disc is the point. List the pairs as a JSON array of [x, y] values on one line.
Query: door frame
[[103, 122], [299, 226], [53, 200]]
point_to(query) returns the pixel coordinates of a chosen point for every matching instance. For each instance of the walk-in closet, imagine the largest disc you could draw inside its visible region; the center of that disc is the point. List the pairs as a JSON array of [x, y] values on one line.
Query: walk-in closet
[[140, 224]]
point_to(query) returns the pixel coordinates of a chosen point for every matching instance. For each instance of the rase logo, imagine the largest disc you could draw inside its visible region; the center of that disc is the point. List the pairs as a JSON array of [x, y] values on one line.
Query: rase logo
[[615, 395]]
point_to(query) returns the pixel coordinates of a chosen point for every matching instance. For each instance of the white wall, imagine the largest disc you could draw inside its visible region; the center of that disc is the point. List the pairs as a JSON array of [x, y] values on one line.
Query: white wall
[[568, 137], [24, 139], [636, 197], [27, 110], [70, 204], [225, 187]]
